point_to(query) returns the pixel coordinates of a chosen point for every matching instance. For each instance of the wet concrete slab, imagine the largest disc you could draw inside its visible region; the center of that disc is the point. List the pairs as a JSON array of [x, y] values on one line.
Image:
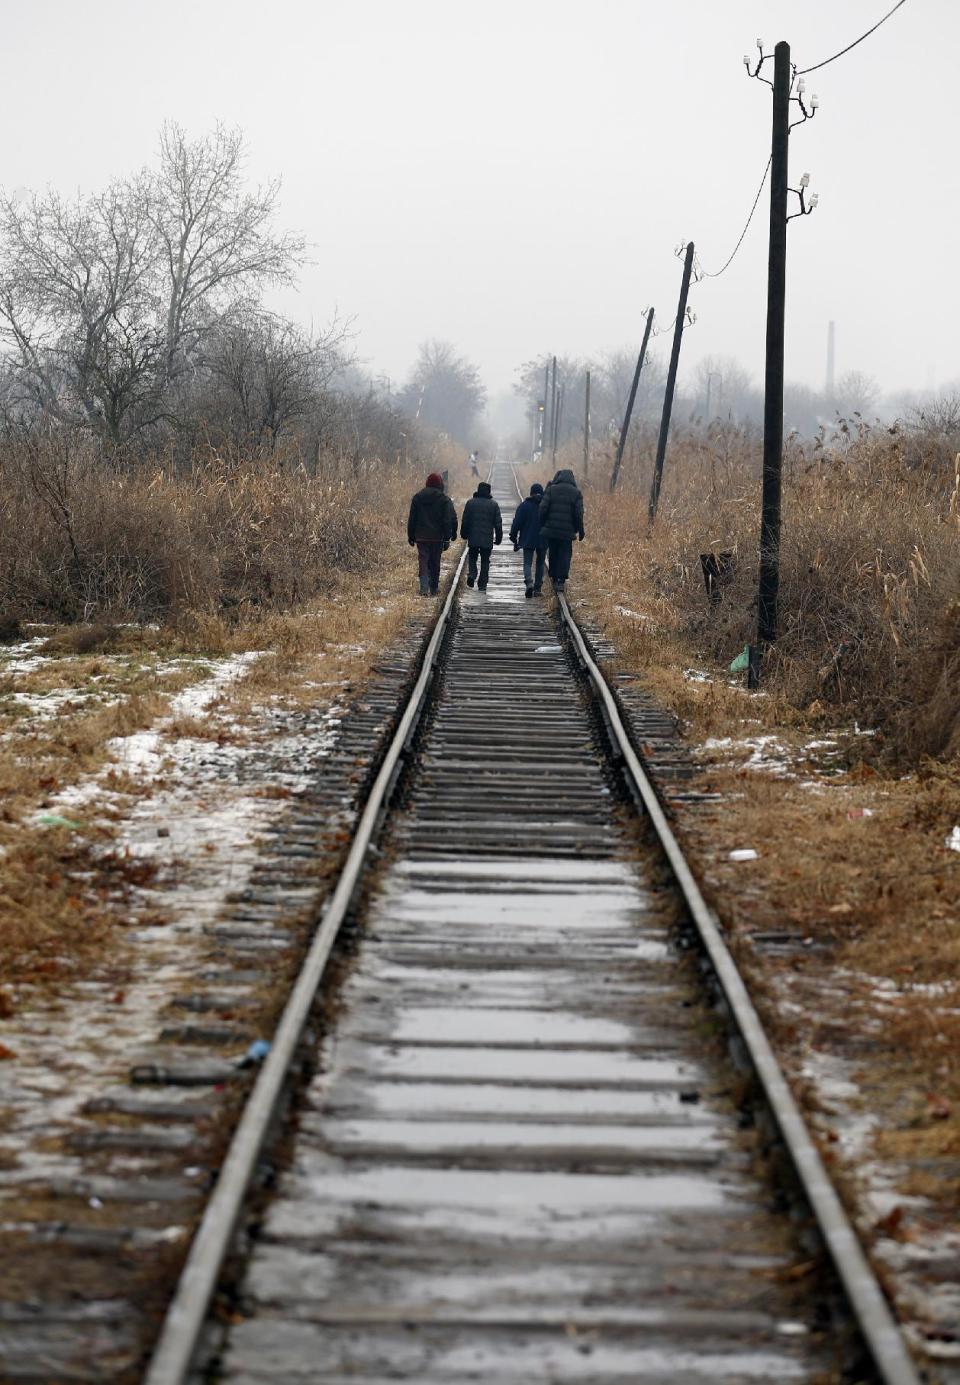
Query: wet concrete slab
[[519, 1160]]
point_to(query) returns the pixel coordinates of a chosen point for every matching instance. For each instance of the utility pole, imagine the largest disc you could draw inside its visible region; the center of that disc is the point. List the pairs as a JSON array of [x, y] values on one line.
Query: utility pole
[[556, 434], [625, 426], [831, 356], [543, 412], [773, 379], [671, 384], [586, 429], [553, 412]]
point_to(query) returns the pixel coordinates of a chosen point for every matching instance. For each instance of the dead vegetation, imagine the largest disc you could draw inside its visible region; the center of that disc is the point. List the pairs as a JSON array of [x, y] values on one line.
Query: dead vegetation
[[310, 572], [97, 540], [870, 574], [852, 833]]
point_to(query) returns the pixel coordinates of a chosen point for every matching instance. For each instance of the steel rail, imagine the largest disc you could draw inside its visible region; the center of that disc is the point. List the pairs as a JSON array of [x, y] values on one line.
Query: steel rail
[[179, 1340], [878, 1327]]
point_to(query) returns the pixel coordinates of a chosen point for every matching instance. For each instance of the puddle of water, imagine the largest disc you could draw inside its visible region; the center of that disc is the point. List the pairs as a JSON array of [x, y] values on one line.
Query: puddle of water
[[450, 1136], [457, 1026], [438, 1099], [516, 1065], [331, 1180]]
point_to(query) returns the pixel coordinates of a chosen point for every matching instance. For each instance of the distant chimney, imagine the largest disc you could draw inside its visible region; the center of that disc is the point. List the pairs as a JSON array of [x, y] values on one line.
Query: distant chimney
[[831, 345]]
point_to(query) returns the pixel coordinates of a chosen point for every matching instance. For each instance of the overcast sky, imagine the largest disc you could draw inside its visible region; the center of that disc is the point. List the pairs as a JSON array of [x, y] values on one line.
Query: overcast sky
[[514, 174]]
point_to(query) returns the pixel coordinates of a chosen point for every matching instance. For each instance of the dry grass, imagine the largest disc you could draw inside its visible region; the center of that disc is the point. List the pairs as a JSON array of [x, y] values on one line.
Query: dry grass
[[81, 539], [870, 572], [870, 560], [60, 903], [62, 896]]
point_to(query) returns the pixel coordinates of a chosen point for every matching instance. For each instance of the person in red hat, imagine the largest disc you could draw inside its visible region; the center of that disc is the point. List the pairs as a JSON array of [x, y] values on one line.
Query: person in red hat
[[431, 525]]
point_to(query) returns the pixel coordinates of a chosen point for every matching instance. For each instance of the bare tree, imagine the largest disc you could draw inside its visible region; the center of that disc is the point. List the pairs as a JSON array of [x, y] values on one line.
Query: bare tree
[[106, 299], [215, 238], [445, 390], [271, 374]]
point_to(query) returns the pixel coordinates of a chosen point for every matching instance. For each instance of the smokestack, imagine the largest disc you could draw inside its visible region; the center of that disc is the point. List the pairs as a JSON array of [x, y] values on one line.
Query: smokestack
[[831, 346]]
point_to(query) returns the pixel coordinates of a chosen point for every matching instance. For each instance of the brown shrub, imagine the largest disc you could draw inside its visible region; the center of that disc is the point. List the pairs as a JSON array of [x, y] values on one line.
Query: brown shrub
[[82, 538], [869, 582]]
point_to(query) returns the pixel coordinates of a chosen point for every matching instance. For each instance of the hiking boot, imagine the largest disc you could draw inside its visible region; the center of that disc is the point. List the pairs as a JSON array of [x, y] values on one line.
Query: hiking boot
[[434, 591], [537, 591], [529, 593], [470, 581], [481, 588]]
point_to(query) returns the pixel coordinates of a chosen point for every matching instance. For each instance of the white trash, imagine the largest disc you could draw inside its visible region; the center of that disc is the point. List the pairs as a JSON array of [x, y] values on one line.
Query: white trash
[[747, 853], [952, 843]]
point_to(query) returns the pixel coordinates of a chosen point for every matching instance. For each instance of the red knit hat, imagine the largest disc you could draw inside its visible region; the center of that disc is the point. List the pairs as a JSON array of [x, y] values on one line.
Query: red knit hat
[[435, 480]]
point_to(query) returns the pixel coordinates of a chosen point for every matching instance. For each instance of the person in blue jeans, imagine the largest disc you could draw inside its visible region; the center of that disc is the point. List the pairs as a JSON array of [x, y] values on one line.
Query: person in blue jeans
[[525, 534]]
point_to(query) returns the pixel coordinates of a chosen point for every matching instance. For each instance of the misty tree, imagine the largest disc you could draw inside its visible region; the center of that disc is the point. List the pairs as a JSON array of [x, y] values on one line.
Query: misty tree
[[269, 375], [614, 375], [729, 388], [106, 300], [445, 390], [856, 393]]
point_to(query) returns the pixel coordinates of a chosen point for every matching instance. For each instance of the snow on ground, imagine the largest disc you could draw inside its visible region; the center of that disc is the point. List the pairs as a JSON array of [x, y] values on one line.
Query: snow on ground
[[23, 658], [144, 753], [842, 1113], [199, 820]]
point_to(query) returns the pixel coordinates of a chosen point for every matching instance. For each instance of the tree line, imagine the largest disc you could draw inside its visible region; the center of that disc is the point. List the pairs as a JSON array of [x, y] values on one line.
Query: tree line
[[137, 316]]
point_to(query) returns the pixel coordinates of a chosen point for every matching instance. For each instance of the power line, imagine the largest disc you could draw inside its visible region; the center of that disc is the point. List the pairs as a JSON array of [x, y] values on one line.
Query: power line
[[705, 272], [803, 71]]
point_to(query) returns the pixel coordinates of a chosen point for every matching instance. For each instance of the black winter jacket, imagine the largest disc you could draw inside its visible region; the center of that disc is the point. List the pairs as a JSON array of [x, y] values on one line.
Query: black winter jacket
[[432, 517], [481, 525], [561, 509]]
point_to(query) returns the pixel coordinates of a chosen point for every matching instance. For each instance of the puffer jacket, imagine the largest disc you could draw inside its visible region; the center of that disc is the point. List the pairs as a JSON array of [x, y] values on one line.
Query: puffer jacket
[[481, 525], [525, 529], [432, 518], [561, 509]]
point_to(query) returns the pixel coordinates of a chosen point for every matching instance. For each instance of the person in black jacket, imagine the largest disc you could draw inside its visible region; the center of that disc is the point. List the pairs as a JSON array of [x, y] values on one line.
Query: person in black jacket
[[482, 527], [525, 534], [561, 521], [431, 525]]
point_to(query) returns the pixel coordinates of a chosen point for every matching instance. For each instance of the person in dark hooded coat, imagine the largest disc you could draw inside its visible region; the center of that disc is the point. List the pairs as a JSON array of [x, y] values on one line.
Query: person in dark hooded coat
[[482, 527], [525, 534], [561, 521], [431, 525]]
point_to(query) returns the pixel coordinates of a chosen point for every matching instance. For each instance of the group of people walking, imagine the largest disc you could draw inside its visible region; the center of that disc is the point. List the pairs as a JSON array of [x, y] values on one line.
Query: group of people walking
[[545, 526]]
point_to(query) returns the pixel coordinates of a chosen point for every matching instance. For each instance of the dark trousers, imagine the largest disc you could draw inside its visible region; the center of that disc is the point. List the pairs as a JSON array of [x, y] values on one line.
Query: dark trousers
[[428, 555], [473, 552], [536, 582], [561, 552]]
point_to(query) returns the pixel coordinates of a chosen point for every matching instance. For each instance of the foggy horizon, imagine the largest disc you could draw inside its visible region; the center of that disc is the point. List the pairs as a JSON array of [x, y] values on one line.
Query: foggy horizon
[[515, 180]]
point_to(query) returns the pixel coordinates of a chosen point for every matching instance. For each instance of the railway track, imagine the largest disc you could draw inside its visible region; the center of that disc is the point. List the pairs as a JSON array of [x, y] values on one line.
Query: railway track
[[519, 1158]]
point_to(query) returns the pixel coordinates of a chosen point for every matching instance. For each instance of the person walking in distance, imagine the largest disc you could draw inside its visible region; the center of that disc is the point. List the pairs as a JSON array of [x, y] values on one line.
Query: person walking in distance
[[431, 525], [561, 521], [525, 534], [482, 527]]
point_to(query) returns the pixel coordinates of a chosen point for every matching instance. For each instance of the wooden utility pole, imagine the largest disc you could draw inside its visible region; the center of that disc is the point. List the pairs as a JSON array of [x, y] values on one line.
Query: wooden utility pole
[[586, 428], [543, 412], [556, 432], [671, 385], [553, 412], [628, 414], [769, 584]]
